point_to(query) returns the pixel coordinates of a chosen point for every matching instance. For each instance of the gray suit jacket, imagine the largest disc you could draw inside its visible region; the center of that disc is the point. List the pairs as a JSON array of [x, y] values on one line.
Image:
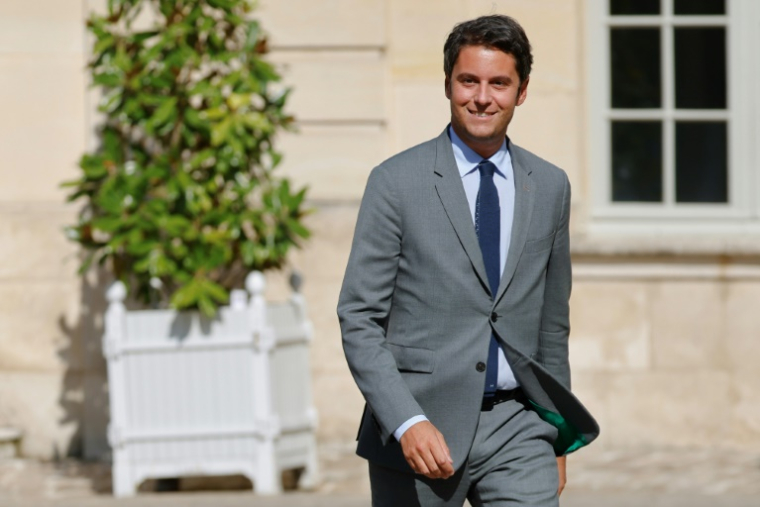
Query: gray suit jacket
[[416, 312]]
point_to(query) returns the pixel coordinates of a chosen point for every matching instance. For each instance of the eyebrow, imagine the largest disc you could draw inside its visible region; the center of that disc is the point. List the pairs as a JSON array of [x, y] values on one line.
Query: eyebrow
[[465, 75]]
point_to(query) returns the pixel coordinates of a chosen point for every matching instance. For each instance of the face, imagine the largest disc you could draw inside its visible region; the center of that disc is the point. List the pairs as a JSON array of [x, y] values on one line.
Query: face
[[483, 90]]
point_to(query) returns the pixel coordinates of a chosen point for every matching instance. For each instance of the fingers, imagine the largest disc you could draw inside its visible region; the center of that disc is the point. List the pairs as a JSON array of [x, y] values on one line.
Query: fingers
[[431, 464], [426, 451], [418, 465], [437, 459], [562, 471], [424, 461], [443, 459]]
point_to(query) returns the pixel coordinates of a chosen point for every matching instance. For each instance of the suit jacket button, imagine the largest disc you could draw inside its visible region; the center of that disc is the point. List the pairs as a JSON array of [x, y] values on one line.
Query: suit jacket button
[[494, 317], [481, 367]]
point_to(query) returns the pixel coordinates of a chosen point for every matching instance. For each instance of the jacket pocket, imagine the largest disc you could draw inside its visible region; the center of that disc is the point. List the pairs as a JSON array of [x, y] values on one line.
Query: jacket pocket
[[552, 348], [539, 245], [414, 359]]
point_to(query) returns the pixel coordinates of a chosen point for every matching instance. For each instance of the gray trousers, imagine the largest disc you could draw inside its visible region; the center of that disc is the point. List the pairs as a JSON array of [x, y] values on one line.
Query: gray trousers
[[511, 464]]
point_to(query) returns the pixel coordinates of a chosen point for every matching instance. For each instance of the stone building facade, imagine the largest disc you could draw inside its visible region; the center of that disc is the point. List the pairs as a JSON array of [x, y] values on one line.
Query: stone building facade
[[666, 328]]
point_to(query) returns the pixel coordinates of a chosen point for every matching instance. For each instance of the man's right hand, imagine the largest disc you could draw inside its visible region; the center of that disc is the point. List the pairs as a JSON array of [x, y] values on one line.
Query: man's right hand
[[426, 451]]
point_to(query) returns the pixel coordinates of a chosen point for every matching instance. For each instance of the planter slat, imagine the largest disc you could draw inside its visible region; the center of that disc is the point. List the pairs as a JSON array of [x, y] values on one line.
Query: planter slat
[[194, 396]]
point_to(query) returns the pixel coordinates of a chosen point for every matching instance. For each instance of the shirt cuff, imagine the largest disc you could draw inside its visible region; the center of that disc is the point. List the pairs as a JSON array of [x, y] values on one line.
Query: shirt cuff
[[408, 424]]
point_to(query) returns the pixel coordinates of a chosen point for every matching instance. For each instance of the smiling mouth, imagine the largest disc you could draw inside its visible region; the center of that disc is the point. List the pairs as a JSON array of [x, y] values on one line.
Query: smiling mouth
[[480, 114]]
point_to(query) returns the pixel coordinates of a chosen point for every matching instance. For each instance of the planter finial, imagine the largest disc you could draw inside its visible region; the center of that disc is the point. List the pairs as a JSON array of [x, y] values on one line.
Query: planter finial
[[117, 292], [255, 283], [296, 281]]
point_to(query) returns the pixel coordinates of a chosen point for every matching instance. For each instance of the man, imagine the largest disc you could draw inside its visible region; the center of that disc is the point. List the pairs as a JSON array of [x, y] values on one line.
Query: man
[[454, 307]]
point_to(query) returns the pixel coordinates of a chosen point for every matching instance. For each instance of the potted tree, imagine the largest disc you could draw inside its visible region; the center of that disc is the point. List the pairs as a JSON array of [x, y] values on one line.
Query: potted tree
[[181, 205]]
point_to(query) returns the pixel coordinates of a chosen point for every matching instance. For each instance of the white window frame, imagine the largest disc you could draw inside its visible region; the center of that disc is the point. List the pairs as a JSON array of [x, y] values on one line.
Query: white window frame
[[742, 212]]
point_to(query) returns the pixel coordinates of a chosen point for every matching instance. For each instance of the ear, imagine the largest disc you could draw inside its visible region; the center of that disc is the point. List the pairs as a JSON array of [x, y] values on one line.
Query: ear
[[522, 93], [447, 83]]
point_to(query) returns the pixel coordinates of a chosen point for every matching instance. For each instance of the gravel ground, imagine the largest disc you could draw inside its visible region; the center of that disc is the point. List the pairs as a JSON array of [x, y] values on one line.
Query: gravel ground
[[659, 478]]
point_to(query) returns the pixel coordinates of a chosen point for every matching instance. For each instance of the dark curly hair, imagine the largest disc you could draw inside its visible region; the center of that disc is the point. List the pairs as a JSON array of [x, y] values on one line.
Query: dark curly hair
[[494, 31]]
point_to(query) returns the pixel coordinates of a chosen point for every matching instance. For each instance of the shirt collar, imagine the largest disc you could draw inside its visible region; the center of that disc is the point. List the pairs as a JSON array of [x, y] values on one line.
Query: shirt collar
[[467, 160]]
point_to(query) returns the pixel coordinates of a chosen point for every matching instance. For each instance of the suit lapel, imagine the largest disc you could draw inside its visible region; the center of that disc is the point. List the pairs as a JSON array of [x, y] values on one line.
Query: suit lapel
[[524, 196], [450, 190]]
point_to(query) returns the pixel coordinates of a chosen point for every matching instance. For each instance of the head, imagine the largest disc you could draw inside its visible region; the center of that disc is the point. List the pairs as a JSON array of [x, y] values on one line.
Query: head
[[487, 62]]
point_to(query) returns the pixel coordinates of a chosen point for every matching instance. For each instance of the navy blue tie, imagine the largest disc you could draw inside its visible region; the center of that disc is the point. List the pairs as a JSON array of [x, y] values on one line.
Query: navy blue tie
[[488, 228]]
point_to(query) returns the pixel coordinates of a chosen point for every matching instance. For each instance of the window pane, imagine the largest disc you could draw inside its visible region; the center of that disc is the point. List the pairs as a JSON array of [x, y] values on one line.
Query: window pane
[[618, 7], [700, 55], [701, 162], [699, 7], [635, 55], [637, 161]]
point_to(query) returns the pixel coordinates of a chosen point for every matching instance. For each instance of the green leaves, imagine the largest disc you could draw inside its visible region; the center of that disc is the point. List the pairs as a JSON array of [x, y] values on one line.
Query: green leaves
[[201, 293], [181, 188], [165, 113]]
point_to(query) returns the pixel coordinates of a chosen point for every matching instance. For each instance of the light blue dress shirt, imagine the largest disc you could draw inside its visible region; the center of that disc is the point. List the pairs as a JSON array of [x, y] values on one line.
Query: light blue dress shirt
[[504, 179]]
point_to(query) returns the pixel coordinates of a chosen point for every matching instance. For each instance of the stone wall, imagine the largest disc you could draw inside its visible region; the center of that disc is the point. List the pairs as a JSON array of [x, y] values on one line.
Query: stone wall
[[662, 348], [664, 353], [43, 130]]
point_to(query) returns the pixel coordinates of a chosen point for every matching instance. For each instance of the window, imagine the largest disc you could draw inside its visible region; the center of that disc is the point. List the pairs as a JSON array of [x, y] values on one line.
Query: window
[[671, 110]]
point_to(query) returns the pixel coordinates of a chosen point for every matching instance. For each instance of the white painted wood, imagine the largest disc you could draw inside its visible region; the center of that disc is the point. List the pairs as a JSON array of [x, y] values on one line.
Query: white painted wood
[[198, 396], [742, 22], [667, 63]]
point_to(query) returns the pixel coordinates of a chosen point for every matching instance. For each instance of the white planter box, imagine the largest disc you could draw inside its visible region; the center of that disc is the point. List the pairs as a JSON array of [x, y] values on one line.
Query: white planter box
[[191, 396]]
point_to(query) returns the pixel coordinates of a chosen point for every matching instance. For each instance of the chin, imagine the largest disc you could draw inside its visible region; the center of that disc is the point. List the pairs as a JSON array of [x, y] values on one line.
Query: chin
[[482, 134]]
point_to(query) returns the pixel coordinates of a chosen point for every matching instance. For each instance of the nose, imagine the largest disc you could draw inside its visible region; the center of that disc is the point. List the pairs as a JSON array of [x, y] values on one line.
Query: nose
[[482, 95]]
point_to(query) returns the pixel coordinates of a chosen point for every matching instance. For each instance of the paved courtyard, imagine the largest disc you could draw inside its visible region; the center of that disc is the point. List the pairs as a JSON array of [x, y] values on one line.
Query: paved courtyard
[[662, 478], [573, 499]]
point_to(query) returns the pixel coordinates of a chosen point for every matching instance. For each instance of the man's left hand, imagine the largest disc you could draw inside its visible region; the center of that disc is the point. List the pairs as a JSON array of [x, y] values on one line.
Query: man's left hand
[[562, 469]]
